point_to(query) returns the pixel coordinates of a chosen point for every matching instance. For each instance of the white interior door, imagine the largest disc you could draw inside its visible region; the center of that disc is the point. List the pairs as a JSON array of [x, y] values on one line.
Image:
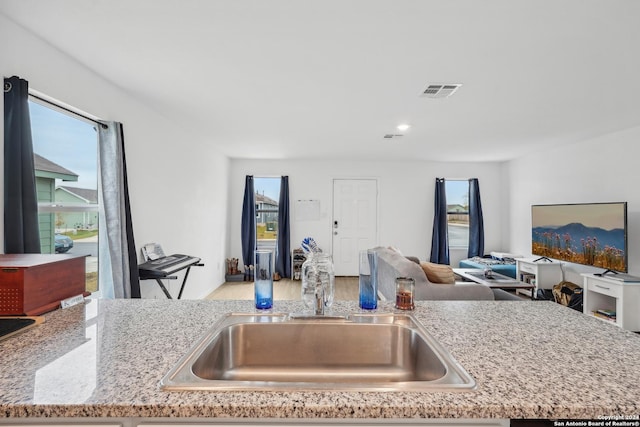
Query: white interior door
[[355, 222]]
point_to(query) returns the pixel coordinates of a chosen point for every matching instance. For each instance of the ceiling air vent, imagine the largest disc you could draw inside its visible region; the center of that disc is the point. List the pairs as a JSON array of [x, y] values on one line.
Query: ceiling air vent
[[391, 135], [440, 91]]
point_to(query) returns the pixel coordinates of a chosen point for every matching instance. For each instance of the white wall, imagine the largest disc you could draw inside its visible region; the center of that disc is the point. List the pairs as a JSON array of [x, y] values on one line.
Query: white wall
[[177, 181], [191, 200], [599, 170], [406, 199]]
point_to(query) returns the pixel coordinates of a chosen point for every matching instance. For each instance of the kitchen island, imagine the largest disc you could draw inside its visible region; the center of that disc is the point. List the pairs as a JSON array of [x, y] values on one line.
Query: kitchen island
[[530, 359]]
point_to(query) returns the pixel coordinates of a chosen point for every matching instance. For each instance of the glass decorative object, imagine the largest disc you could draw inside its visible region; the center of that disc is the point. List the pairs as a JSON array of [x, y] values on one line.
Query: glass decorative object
[[368, 279], [263, 280], [405, 289], [318, 280]]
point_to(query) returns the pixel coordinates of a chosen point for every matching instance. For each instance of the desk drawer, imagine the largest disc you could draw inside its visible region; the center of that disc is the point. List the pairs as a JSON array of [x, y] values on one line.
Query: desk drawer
[[528, 268], [606, 288]]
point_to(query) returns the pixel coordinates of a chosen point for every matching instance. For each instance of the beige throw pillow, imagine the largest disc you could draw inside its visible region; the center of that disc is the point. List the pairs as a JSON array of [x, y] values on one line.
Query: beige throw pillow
[[438, 273]]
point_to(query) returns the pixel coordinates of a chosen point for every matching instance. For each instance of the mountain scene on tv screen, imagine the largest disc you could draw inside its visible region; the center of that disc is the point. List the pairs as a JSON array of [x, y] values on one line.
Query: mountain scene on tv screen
[[580, 244]]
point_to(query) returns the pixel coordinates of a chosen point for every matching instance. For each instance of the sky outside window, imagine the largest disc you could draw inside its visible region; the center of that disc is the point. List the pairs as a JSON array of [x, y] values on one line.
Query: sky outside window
[[269, 187], [457, 192], [67, 141]]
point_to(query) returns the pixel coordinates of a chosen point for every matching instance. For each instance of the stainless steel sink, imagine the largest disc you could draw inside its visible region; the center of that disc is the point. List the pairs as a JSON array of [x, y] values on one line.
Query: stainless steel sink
[[369, 352]]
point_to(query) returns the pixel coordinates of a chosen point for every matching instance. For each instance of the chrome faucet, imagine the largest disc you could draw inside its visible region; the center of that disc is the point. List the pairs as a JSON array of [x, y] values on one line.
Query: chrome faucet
[[319, 293]]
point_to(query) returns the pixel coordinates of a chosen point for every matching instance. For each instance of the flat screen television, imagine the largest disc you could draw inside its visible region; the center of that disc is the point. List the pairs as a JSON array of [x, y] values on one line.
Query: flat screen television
[[593, 234]]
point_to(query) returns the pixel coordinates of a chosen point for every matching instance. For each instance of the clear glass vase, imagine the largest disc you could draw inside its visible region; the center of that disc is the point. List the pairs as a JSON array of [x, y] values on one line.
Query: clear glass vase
[[317, 275]]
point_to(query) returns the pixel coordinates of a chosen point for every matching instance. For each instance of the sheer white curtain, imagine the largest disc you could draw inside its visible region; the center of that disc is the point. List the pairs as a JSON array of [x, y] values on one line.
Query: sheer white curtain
[[118, 269]]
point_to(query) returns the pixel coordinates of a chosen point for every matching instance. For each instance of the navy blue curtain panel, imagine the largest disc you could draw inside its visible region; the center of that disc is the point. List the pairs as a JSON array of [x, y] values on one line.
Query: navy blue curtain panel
[[134, 275], [283, 250], [21, 233], [440, 237], [476, 223], [248, 234]]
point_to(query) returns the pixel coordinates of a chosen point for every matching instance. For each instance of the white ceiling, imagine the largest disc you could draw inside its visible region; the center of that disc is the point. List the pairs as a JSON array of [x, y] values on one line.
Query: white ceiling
[[329, 78]]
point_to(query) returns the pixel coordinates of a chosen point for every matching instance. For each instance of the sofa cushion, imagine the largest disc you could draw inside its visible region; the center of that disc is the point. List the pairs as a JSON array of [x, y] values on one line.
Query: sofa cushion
[[438, 273], [394, 249]]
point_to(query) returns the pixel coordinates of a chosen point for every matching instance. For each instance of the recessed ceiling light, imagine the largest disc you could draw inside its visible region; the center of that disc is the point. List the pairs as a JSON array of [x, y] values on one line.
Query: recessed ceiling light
[[403, 127]]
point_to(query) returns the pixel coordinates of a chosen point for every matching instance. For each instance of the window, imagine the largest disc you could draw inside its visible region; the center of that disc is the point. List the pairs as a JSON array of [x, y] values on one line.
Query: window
[[266, 200], [457, 192], [66, 168]]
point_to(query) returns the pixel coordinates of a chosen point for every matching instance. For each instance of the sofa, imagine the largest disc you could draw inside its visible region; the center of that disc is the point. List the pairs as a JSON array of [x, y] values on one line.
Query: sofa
[[392, 264]]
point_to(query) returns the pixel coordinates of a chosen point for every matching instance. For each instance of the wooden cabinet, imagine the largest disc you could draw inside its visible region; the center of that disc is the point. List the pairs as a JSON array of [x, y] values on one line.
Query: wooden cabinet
[[32, 284], [612, 296]]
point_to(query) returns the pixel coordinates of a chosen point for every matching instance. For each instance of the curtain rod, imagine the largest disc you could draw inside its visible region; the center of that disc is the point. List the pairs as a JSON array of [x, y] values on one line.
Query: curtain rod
[[68, 110]]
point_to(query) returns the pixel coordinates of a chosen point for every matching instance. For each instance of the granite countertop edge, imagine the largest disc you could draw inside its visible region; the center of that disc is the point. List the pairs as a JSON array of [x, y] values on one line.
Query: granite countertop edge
[[512, 382]]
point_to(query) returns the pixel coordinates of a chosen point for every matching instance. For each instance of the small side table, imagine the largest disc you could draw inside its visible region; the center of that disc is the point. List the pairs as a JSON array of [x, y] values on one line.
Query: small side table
[[497, 280]]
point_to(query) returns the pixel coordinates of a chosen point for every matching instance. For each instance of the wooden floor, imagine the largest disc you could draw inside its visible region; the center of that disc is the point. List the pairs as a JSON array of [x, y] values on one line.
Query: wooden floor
[[346, 289]]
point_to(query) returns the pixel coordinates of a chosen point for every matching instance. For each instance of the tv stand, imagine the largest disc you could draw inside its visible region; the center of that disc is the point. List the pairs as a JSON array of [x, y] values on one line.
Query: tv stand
[[611, 294]]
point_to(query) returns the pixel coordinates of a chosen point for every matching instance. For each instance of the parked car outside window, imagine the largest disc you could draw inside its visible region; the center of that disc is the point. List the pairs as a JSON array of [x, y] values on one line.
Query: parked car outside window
[[63, 243]]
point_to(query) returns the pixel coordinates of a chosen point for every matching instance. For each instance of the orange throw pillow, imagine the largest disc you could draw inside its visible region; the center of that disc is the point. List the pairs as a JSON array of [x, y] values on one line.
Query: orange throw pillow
[[438, 273]]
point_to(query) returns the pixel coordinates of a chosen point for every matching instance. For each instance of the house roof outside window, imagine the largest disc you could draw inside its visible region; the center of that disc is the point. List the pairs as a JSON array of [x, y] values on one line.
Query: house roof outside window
[[45, 168], [85, 194], [456, 208], [261, 198]]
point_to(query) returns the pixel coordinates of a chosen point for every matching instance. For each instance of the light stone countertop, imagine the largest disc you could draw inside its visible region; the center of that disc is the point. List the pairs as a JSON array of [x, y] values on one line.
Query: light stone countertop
[[531, 359]]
